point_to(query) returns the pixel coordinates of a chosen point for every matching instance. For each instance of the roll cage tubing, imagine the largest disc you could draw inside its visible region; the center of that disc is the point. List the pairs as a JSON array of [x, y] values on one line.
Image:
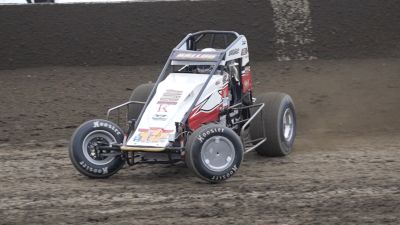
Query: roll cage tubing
[[215, 63]]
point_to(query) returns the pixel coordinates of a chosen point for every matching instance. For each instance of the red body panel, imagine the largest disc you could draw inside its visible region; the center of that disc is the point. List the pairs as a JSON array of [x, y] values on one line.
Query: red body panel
[[247, 84], [198, 116]]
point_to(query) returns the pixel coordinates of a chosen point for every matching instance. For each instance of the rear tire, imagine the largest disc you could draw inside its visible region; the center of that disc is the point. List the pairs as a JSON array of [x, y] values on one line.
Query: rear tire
[[83, 153], [141, 93], [279, 122], [214, 153]]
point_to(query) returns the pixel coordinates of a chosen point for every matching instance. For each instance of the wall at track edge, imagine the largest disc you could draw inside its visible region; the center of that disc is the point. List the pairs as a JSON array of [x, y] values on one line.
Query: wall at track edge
[[145, 33]]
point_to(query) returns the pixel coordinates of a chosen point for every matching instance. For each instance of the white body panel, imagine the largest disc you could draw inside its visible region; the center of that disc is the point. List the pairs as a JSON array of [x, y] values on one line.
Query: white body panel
[[172, 100], [239, 50]]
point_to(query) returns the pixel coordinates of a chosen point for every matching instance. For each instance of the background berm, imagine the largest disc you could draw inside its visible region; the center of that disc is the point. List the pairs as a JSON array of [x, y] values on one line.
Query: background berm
[[64, 64]]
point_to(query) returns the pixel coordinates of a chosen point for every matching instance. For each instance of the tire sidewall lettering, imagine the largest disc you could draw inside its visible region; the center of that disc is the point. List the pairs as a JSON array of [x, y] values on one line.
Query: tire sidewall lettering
[[99, 124], [205, 134], [226, 175], [102, 170]]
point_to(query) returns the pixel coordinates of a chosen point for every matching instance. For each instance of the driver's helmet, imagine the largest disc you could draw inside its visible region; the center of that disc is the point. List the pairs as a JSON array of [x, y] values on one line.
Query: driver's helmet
[[205, 68]]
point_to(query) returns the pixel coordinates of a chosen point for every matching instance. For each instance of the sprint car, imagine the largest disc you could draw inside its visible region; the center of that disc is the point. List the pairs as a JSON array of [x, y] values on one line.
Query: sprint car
[[201, 111]]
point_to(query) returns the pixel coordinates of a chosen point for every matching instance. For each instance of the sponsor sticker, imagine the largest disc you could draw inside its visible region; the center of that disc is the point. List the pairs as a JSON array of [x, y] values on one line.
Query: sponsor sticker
[[160, 116], [233, 52], [170, 97], [245, 51], [201, 56], [153, 135]]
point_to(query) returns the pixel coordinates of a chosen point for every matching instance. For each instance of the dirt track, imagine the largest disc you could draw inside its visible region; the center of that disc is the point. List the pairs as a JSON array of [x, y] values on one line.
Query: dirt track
[[345, 167]]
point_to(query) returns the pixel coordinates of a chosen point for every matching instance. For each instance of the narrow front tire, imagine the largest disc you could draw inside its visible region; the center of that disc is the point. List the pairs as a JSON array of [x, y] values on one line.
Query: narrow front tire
[[83, 151]]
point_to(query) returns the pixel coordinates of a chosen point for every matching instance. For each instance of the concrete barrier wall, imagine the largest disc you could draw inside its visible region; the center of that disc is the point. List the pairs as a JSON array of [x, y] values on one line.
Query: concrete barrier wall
[[145, 33], [356, 28]]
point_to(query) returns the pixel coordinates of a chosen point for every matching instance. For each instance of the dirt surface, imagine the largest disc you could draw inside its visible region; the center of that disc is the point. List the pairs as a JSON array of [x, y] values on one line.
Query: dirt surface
[[345, 168], [353, 181]]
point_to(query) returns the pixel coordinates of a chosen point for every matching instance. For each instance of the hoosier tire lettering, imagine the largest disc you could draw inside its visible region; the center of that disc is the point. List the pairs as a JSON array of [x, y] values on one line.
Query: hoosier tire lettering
[[97, 124], [225, 176], [201, 137], [103, 170]]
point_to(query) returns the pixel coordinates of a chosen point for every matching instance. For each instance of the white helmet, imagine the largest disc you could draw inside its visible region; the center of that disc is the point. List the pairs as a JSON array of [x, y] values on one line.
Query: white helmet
[[205, 68]]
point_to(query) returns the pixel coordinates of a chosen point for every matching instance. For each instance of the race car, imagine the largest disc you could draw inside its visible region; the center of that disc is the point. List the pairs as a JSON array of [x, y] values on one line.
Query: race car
[[201, 111]]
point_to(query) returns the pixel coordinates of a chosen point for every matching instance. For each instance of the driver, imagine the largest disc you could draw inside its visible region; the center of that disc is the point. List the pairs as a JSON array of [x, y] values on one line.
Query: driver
[[205, 69]]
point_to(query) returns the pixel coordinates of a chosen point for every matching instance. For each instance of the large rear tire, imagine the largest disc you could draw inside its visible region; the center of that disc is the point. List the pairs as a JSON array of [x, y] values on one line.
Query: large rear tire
[[83, 151], [279, 118], [214, 153], [141, 93]]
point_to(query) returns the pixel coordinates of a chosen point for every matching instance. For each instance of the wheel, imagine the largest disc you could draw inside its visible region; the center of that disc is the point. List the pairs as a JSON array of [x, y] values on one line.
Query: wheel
[[214, 152], [141, 93], [84, 155], [279, 117]]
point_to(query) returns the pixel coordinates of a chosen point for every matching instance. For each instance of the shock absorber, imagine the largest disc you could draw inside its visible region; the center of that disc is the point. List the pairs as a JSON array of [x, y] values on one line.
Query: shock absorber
[[180, 131]]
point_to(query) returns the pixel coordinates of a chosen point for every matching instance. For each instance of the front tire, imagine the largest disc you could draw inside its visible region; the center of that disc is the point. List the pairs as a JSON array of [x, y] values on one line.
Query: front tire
[[84, 155], [279, 121], [214, 153]]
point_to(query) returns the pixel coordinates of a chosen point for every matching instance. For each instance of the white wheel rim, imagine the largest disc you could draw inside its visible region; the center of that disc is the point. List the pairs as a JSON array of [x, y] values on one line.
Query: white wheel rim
[[218, 153], [288, 125]]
